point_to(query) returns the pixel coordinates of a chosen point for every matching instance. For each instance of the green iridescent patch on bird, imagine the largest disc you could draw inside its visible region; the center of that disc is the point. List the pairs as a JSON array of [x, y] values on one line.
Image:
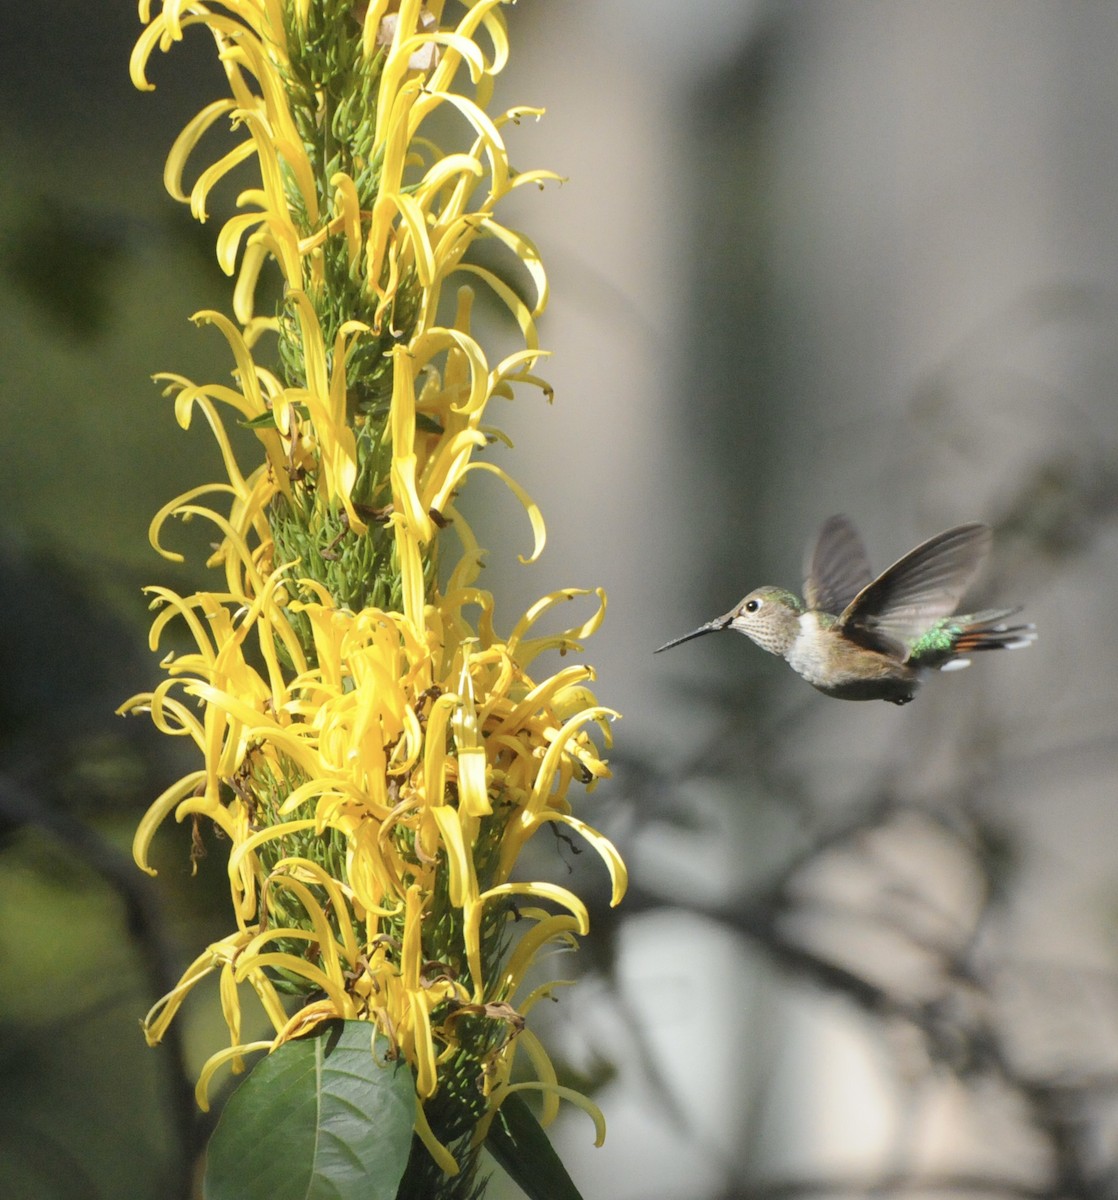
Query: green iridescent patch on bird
[[941, 638]]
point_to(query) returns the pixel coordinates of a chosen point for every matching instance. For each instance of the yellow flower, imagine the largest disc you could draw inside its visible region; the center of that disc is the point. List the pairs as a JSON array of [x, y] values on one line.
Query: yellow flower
[[375, 752], [399, 775]]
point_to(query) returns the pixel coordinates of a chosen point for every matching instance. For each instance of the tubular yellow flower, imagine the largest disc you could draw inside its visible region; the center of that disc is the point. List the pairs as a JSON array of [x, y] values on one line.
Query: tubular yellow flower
[[377, 757]]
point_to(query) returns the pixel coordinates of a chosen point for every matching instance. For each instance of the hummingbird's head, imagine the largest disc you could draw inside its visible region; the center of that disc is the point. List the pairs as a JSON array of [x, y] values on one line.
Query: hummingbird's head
[[769, 615]]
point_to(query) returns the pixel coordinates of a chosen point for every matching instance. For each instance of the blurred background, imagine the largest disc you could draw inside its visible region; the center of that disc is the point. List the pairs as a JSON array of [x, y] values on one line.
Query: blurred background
[[857, 256]]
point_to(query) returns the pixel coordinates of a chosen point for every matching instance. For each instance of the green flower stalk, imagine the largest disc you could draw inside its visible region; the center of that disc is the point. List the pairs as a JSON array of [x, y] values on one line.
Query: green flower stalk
[[375, 752]]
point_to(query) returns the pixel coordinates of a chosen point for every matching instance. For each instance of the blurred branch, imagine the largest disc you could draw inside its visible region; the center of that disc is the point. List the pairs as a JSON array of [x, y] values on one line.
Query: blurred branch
[[24, 810]]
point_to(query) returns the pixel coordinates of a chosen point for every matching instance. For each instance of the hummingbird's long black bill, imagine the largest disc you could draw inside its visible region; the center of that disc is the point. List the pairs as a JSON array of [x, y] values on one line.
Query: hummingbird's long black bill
[[710, 627]]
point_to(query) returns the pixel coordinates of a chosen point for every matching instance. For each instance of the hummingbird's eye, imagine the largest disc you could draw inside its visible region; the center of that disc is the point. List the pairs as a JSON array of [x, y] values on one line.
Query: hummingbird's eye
[[751, 606]]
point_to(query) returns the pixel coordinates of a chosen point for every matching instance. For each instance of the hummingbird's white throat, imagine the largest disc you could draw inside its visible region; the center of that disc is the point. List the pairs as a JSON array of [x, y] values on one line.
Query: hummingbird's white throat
[[806, 654]]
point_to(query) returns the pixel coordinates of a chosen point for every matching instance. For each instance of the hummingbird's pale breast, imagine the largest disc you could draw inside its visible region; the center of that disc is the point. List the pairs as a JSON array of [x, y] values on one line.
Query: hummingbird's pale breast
[[840, 668]]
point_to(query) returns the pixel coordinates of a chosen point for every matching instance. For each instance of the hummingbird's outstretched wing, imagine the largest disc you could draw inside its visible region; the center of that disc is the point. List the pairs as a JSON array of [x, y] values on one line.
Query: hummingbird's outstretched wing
[[837, 569], [919, 589]]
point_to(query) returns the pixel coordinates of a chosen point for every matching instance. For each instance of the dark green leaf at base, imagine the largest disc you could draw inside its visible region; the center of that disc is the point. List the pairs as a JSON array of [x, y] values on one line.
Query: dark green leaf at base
[[318, 1119], [517, 1141]]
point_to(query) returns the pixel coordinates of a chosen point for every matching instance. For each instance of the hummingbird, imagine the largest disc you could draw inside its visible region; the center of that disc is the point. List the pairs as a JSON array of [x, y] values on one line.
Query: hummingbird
[[856, 637]]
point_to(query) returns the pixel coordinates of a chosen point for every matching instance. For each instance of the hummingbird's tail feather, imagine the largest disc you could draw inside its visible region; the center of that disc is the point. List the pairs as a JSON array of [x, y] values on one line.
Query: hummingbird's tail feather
[[946, 645], [989, 631]]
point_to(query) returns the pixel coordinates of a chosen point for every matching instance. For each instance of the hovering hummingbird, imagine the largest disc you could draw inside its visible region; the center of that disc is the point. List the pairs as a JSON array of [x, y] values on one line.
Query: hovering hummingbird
[[860, 638]]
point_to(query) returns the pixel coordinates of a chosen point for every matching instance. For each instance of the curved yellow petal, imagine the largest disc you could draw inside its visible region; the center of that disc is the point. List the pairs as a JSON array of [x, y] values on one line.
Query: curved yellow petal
[[435, 1148], [539, 533], [562, 1093], [216, 1061], [157, 813]]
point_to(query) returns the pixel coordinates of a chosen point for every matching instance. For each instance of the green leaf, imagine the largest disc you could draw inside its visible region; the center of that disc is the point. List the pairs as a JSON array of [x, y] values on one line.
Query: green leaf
[[318, 1119], [517, 1141]]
